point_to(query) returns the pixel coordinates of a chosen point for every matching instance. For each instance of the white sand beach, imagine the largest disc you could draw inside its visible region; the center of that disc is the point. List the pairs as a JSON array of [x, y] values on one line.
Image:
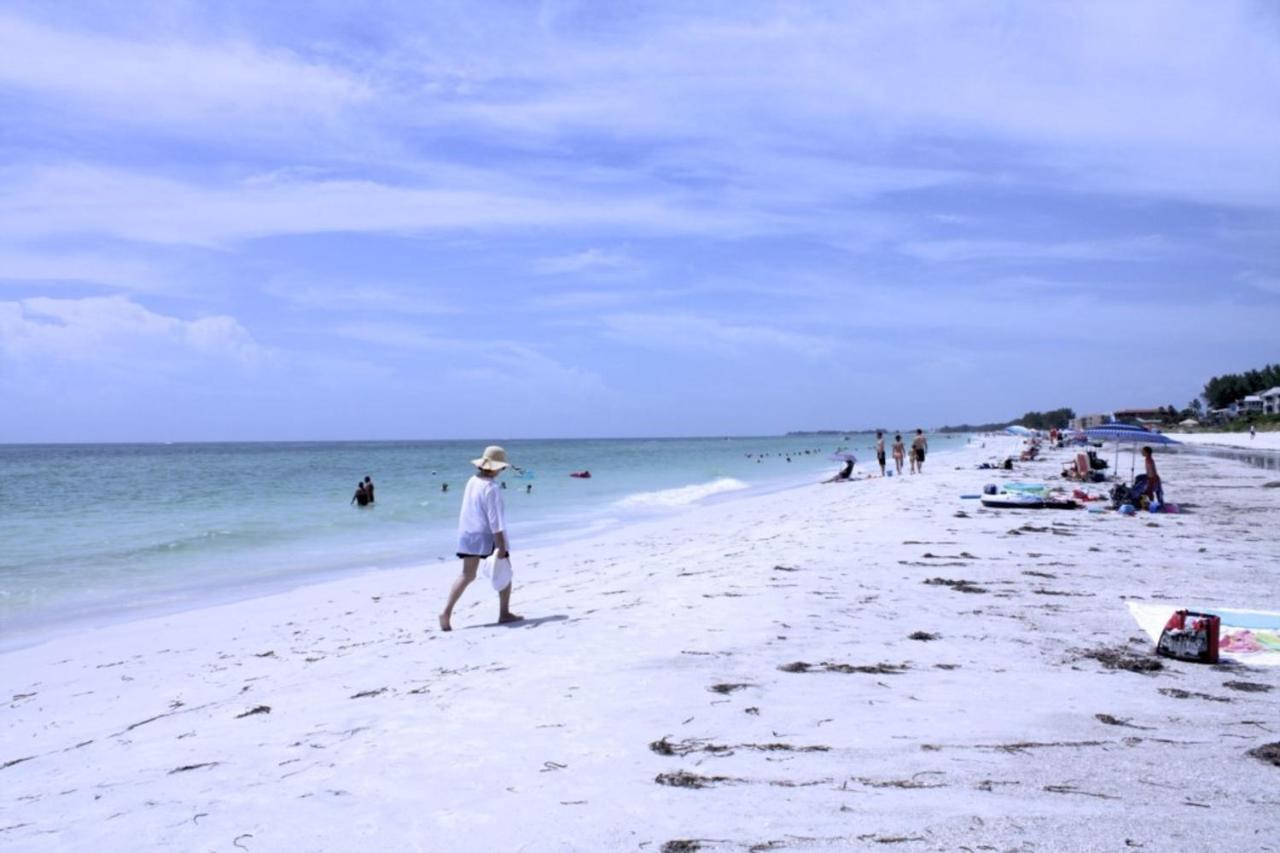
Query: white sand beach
[[1261, 441], [742, 678]]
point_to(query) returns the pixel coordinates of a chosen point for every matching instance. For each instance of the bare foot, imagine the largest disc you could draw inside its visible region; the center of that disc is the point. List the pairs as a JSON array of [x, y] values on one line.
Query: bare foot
[[444, 623], [504, 618]]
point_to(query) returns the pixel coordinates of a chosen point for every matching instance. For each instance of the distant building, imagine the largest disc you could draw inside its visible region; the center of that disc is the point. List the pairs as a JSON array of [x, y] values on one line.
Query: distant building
[[1251, 405], [1086, 421], [1271, 401], [1139, 416]]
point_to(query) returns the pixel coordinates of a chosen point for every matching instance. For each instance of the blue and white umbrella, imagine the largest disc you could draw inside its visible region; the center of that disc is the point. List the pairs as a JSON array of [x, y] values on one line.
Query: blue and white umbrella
[[1127, 434], [1018, 429]]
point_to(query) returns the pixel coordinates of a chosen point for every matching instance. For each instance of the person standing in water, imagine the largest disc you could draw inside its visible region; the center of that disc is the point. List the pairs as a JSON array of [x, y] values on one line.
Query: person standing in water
[[368, 487], [482, 529], [361, 497], [880, 450], [899, 451]]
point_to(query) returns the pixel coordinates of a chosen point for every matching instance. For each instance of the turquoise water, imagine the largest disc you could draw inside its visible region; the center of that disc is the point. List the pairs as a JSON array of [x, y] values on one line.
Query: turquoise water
[[109, 531]]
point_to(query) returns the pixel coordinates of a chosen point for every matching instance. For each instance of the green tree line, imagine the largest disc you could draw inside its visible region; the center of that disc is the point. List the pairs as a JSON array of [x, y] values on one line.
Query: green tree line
[[1223, 390]]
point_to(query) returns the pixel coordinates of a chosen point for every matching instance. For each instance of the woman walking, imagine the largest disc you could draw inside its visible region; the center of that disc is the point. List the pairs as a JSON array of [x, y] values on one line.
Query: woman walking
[[482, 529], [899, 451]]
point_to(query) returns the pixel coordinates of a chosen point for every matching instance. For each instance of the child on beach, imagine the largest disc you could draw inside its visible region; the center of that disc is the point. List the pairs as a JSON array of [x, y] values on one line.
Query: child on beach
[[481, 530], [899, 451]]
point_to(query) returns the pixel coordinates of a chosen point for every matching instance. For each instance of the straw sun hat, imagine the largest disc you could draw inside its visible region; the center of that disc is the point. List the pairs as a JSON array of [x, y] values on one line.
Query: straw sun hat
[[494, 459]]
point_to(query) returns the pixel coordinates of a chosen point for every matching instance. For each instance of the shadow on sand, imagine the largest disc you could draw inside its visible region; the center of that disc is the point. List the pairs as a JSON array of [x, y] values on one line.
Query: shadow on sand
[[522, 623]]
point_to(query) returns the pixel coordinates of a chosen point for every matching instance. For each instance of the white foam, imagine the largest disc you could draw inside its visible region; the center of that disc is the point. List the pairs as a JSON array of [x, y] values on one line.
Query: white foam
[[682, 496]]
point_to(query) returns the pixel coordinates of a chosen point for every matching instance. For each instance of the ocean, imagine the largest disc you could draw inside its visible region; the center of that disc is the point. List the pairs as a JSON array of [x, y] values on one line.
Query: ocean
[[100, 533]]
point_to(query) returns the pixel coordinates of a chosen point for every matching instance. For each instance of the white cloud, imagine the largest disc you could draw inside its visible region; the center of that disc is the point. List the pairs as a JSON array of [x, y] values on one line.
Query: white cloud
[[25, 265], [586, 261], [362, 298], [170, 80], [691, 332], [92, 328], [83, 200], [1140, 248], [1261, 281]]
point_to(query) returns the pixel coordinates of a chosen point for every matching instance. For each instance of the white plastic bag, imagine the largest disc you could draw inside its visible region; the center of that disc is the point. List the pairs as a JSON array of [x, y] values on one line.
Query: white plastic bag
[[497, 570]]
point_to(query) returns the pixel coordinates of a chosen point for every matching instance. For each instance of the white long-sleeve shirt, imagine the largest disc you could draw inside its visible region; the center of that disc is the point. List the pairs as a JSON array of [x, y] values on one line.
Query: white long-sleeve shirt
[[482, 515]]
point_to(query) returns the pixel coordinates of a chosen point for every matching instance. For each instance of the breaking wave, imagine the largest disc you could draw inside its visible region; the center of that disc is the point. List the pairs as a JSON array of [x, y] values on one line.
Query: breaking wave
[[683, 496]]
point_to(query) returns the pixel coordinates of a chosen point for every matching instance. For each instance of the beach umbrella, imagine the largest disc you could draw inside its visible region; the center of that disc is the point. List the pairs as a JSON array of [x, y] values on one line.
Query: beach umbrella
[[1127, 434], [1017, 429]]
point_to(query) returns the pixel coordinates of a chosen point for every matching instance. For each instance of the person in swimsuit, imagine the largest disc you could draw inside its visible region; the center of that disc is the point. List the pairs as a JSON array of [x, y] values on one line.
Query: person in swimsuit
[[899, 451], [880, 450], [919, 445], [368, 487], [482, 529], [1155, 489], [361, 497]]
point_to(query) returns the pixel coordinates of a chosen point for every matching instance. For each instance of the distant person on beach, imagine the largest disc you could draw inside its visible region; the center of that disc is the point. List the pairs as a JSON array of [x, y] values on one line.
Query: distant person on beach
[[880, 450], [482, 529], [528, 489], [919, 445], [1253, 431], [1155, 489], [899, 451], [361, 497], [368, 487], [843, 474], [444, 487]]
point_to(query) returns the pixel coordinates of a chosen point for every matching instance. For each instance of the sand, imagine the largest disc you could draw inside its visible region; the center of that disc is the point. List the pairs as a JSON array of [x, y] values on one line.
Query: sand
[[1261, 441], [802, 670]]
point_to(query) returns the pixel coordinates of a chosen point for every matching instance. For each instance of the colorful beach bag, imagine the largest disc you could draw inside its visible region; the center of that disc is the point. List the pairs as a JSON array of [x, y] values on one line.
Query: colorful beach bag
[[1190, 636]]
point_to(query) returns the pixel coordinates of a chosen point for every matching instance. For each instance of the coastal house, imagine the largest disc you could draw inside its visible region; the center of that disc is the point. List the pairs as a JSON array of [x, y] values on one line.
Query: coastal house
[[1271, 401], [1251, 405], [1085, 421], [1145, 417]]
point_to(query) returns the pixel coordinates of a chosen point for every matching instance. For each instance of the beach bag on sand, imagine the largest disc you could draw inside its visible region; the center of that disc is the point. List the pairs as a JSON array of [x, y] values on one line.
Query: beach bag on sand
[[497, 570], [1190, 636]]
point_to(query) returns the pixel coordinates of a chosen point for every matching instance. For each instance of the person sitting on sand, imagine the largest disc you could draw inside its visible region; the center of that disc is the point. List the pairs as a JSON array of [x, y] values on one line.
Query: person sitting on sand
[[899, 451], [843, 474], [361, 497], [481, 530], [1155, 489], [880, 450]]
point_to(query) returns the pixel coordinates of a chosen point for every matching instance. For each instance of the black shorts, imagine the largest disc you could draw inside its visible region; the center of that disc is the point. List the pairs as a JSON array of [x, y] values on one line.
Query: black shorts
[[880, 459], [919, 454]]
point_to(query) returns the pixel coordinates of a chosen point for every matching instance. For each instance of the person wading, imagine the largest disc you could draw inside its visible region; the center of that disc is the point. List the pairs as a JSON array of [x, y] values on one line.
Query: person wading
[[482, 529]]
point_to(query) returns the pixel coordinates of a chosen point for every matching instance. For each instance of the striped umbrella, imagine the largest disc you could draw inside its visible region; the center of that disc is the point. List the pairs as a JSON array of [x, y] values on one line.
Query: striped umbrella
[[1127, 434]]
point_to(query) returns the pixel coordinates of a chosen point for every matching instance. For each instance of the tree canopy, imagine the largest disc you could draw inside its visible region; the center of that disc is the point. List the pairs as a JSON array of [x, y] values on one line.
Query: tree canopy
[[1223, 390]]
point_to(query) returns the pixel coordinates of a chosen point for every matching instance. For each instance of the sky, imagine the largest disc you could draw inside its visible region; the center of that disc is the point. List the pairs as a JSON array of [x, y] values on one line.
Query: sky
[[306, 221]]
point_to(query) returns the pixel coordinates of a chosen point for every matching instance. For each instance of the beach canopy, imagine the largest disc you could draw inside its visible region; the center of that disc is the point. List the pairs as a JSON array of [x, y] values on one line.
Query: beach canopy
[[1018, 429], [1127, 434], [1124, 433]]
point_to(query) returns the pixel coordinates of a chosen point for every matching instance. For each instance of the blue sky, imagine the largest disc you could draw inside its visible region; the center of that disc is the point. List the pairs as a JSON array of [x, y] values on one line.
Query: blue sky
[[430, 220]]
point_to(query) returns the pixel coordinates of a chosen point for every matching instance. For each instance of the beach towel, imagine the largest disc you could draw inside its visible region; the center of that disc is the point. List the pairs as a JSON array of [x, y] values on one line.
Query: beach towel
[[1245, 636]]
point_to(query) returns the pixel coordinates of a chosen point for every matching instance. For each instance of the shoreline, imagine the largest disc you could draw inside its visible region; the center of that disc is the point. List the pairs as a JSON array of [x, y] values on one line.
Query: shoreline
[[33, 630], [748, 673]]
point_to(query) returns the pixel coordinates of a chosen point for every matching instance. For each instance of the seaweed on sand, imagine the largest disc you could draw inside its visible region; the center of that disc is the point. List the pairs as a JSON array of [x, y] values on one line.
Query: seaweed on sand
[[1122, 658], [957, 585], [684, 779], [1268, 752], [827, 666]]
